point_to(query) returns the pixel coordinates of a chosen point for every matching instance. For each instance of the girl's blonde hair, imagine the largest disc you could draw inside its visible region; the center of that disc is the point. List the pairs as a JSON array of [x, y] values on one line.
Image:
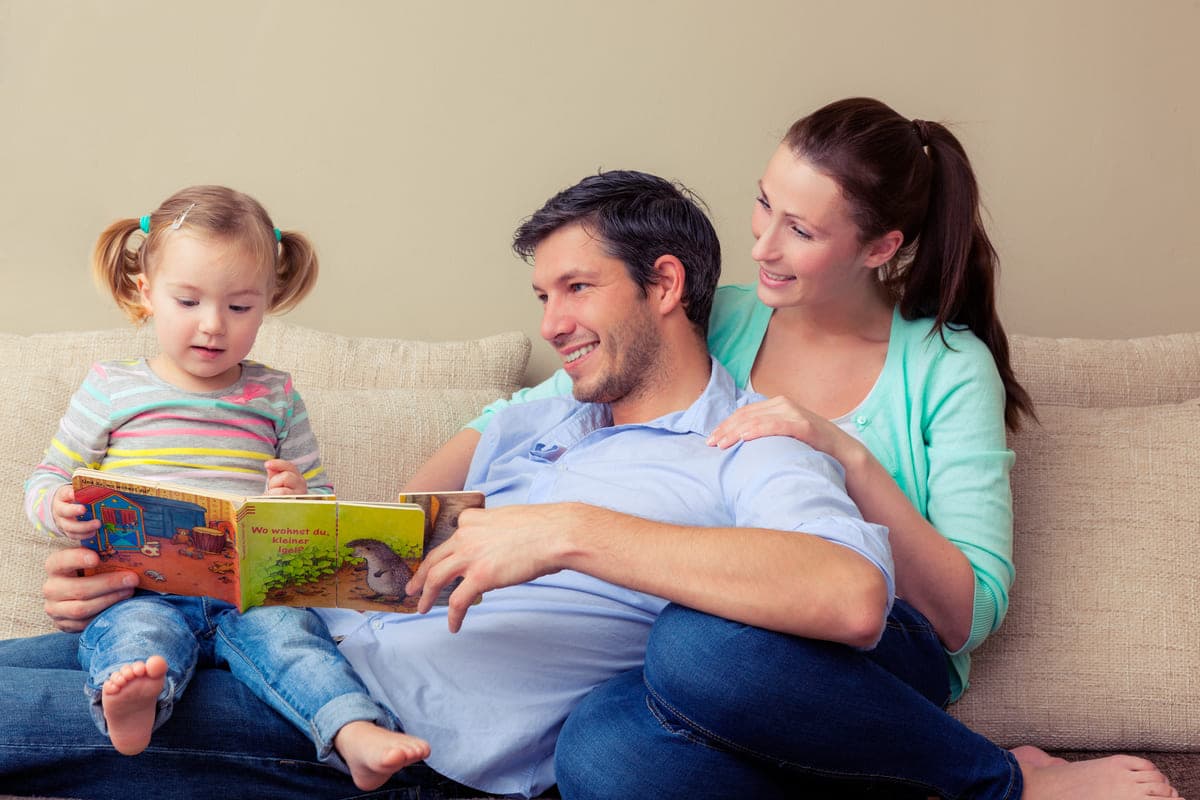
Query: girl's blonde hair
[[125, 250]]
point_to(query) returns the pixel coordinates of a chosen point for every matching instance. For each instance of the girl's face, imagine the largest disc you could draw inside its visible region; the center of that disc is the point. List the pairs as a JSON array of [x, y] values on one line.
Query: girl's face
[[806, 244], [208, 298]]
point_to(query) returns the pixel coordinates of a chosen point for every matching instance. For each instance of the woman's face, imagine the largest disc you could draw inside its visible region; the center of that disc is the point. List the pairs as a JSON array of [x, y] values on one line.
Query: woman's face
[[806, 244]]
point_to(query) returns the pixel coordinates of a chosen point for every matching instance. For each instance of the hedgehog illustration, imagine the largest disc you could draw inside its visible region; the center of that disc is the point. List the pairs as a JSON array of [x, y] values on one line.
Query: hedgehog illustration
[[387, 573]]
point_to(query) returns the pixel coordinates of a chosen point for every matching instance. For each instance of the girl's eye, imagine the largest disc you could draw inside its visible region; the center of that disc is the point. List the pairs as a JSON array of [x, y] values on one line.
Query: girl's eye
[[240, 309], [803, 234], [762, 201], [186, 303]]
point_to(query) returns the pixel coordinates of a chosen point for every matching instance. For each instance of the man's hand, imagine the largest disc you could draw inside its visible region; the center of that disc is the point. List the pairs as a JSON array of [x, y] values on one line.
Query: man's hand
[[498, 547], [66, 514], [71, 599], [283, 477]]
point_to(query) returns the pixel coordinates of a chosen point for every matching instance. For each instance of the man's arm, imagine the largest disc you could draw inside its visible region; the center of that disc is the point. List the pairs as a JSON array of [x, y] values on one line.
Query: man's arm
[[780, 580]]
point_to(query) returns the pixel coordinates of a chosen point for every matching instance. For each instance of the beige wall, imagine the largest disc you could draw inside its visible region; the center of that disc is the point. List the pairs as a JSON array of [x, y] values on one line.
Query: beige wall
[[408, 138]]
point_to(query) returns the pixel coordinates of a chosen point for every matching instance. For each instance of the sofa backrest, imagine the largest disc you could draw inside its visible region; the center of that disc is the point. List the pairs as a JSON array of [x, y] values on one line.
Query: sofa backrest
[[1099, 649]]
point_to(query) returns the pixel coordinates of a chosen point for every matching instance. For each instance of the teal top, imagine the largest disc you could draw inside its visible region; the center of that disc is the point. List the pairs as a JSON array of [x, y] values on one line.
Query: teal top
[[934, 420]]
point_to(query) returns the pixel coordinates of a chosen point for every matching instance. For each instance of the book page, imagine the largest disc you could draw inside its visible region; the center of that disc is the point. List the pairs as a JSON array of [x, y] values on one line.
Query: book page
[[177, 539]]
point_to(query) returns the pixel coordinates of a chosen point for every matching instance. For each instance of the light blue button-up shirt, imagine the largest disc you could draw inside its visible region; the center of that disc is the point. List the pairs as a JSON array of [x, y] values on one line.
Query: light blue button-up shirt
[[491, 699]]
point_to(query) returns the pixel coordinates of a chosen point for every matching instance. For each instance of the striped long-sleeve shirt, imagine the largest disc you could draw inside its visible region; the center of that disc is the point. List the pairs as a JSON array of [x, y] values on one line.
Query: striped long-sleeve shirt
[[127, 420]]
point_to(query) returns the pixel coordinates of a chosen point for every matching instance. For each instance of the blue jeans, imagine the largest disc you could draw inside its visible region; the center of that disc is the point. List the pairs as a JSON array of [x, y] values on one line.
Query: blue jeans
[[221, 742], [722, 708], [284, 655]]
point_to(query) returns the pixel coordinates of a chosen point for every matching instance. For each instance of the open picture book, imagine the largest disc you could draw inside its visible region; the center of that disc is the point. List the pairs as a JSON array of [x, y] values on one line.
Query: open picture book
[[294, 550]]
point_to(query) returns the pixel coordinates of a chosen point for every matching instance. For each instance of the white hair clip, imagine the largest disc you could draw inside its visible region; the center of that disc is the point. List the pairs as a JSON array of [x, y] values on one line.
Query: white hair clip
[[179, 220]]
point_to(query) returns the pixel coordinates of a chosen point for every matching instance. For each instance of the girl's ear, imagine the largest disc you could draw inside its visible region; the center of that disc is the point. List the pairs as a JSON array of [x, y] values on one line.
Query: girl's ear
[[880, 251], [143, 287]]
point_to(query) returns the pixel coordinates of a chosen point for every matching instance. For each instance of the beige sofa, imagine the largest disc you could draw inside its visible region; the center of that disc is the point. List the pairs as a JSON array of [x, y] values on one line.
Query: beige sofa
[[1101, 648]]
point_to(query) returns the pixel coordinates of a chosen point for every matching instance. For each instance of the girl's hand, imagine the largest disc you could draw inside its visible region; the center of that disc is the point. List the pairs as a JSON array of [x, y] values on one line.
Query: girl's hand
[[66, 514], [283, 477], [73, 599], [779, 416]]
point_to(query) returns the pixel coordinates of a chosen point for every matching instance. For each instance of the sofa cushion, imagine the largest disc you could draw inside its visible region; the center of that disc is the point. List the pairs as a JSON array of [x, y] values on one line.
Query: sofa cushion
[[1107, 373], [1107, 596], [379, 407]]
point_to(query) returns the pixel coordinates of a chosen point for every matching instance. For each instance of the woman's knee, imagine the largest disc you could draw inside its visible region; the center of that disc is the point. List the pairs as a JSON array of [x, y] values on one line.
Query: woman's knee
[[698, 664]]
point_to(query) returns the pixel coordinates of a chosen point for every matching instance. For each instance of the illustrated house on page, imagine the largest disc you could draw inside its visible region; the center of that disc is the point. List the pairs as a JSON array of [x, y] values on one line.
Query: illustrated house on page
[[127, 519]]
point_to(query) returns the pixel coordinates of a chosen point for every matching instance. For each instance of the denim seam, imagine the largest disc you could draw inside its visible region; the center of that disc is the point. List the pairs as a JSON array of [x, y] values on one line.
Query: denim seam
[[684, 731]]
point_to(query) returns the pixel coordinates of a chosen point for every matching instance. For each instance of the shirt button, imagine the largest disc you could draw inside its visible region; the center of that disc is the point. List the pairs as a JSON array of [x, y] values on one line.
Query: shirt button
[[377, 624], [861, 420]]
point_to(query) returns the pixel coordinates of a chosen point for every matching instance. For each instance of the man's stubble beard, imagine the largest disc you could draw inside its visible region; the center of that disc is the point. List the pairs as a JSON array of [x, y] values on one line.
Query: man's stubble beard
[[637, 348]]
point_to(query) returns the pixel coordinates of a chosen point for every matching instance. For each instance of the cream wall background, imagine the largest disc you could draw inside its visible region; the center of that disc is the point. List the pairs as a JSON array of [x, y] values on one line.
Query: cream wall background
[[409, 138]]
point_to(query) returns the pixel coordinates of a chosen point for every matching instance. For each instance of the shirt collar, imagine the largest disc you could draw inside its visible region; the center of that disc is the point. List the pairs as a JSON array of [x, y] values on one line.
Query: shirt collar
[[715, 403]]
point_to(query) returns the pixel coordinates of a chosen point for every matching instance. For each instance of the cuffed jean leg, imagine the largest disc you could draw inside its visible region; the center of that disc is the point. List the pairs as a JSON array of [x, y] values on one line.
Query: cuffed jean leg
[[718, 699], [288, 659], [133, 630]]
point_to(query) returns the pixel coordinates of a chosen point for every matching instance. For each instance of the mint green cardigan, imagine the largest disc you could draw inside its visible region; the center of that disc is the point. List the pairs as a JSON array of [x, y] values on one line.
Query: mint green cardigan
[[934, 420]]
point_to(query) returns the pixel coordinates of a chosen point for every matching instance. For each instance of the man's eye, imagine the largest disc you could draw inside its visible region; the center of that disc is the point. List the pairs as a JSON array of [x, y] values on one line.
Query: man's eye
[[579, 287]]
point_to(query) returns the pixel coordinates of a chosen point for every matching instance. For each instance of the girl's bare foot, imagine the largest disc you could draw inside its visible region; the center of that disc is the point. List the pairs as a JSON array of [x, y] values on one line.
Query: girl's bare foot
[[129, 699], [1111, 778], [374, 753]]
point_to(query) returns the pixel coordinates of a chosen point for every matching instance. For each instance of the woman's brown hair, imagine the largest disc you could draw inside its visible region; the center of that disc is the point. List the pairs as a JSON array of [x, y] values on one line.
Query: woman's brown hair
[[914, 176]]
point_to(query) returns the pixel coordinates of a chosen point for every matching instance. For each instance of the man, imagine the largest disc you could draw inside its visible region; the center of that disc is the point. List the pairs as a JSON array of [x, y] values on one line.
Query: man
[[625, 265]]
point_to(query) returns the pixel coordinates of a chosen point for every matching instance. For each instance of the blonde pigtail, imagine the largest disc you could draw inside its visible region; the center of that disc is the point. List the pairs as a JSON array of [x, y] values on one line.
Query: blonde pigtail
[[116, 265], [295, 271]]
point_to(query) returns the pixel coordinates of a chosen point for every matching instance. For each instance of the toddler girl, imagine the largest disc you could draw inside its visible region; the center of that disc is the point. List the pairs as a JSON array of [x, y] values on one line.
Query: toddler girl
[[207, 266]]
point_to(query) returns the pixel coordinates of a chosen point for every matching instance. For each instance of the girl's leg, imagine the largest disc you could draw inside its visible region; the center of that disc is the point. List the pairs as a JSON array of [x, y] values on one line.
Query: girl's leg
[[720, 704], [287, 657], [129, 699]]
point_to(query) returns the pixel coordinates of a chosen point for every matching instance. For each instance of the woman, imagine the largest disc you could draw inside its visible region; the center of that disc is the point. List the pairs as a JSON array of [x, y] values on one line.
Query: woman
[[873, 329]]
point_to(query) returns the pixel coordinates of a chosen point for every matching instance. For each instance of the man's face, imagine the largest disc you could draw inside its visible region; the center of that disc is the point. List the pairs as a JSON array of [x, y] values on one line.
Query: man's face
[[595, 316]]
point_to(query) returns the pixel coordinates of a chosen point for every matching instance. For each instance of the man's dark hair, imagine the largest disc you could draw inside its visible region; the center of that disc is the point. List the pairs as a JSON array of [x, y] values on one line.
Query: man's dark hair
[[637, 218]]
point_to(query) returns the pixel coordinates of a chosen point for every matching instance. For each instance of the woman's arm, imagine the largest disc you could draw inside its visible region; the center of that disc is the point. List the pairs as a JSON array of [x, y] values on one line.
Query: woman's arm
[[954, 566], [446, 470], [932, 574]]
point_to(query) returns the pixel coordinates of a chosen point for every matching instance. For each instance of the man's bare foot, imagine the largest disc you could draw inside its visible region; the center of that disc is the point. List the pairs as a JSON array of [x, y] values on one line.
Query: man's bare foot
[[129, 699], [374, 754], [1111, 778]]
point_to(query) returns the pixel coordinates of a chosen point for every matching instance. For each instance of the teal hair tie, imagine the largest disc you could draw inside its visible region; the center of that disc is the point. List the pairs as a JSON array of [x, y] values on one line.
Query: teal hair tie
[[144, 224], [278, 235]]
